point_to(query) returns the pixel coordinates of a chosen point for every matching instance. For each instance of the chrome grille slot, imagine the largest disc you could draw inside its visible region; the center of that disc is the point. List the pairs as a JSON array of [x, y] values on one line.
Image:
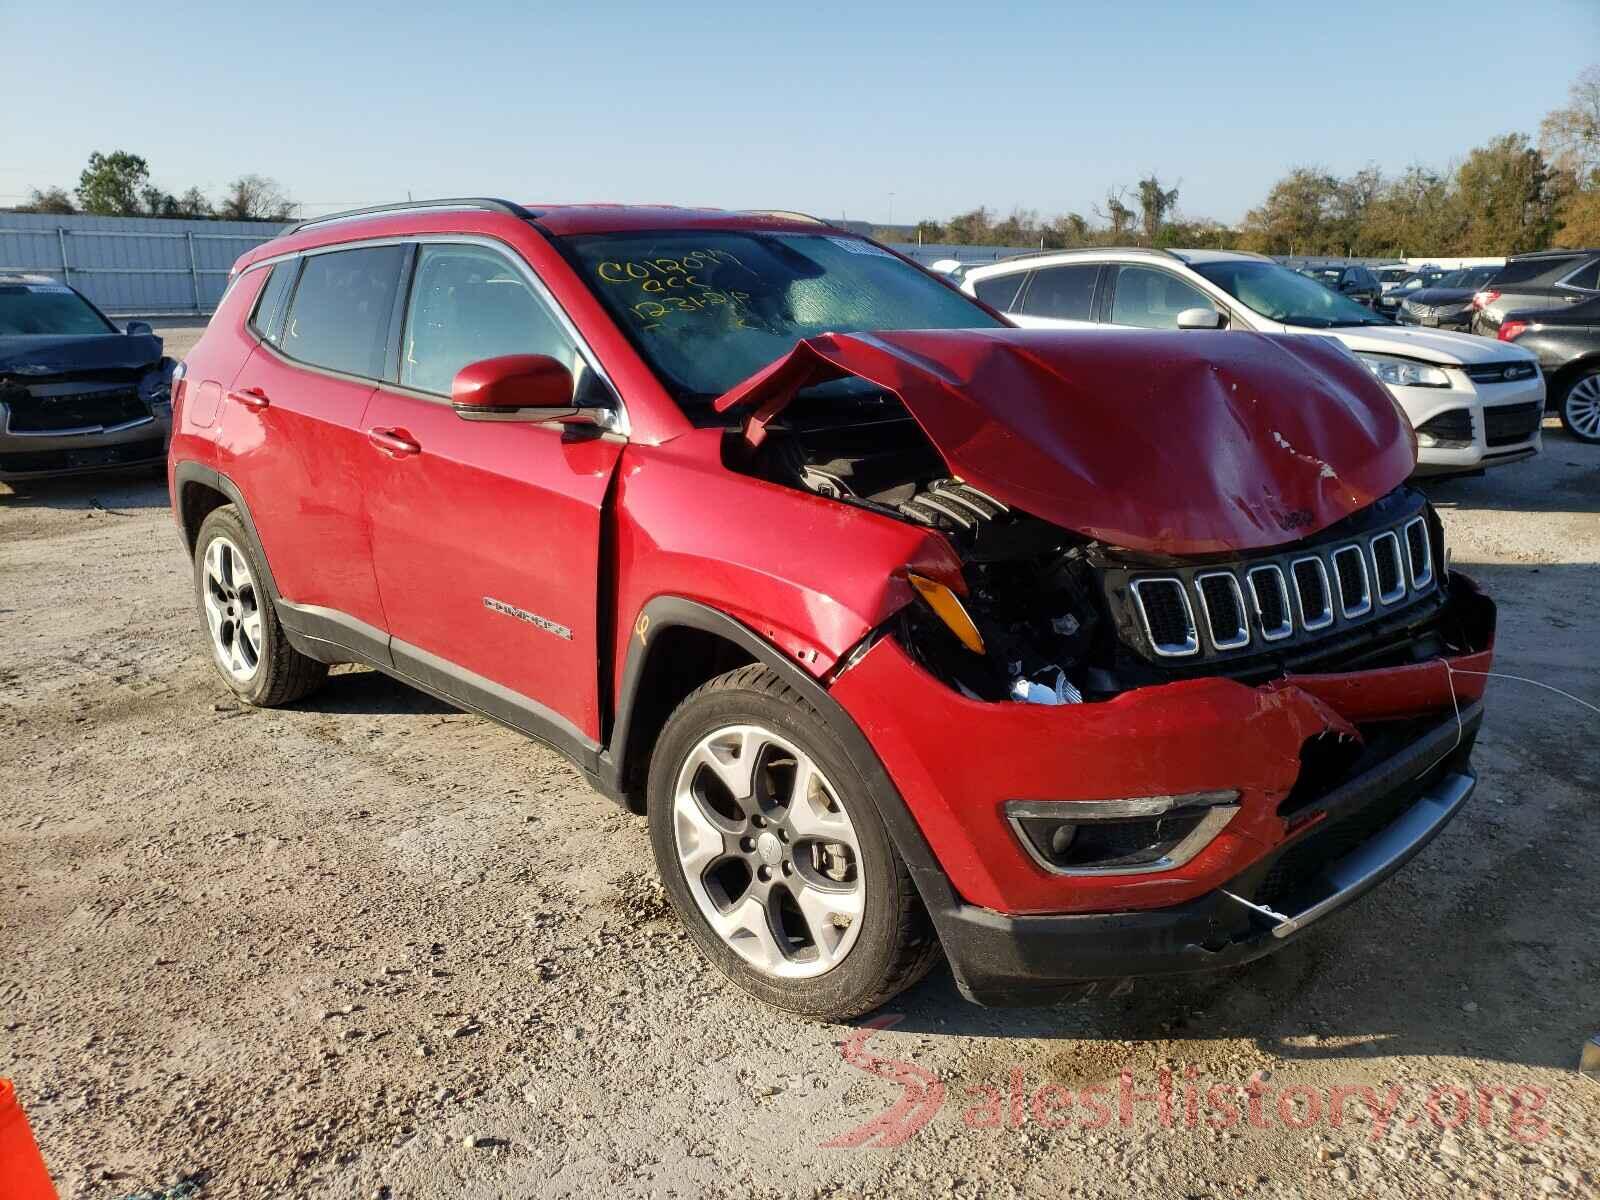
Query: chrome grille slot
[[1355, 588], [1386, 567], [1167, 616], [1311, 585], [1222, 603], [1419, 553], [1270, 594], [1271, 604]]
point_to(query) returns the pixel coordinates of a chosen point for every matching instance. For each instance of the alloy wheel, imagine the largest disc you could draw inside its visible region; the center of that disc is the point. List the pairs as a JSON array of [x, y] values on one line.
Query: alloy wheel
[[1583, 406], [233, 609], [769, 852]]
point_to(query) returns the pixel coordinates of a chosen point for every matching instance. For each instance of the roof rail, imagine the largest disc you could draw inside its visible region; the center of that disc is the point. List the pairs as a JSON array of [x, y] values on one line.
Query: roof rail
[[1087, 250], [483, 203], [785, 212], [1555, 252]]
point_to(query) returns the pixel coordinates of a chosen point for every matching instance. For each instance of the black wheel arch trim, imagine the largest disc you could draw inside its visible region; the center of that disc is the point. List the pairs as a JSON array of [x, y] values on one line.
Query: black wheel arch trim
[[191, 472], [667, 612]]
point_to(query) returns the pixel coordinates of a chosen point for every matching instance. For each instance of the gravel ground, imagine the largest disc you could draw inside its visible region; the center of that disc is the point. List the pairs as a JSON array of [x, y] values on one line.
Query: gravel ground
[[369, 946]]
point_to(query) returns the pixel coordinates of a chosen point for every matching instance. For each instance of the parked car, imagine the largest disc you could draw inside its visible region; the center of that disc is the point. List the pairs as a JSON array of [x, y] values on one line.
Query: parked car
[[1474, 404], [1355, 281], [1389, 301], [1541, 280], [76, 393], [1077, 656], [1567, 341], [1447, 302]]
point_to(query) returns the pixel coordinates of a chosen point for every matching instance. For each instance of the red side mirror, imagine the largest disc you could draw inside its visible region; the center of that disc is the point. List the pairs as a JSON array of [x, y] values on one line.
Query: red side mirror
[[515, 387]]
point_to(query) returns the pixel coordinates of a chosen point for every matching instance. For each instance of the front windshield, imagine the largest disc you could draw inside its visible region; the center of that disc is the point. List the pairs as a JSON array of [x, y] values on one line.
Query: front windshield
[[709, 308], [35, 309], [1282, 295], [1393, 274]]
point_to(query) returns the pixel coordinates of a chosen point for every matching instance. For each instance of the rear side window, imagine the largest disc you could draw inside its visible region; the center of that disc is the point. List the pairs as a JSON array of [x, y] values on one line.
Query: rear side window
[[1536, 270], [1587, 277], [1151, 299], [1000, 291], [267, 318], [1066, 293], [339, 317], [468, 304]]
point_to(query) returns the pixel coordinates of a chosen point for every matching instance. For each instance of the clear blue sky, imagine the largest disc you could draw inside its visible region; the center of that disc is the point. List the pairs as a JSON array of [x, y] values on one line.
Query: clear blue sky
[[827, 109]]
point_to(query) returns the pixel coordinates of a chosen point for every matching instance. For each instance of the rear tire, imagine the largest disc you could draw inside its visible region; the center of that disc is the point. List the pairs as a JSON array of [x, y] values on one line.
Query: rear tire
[[772, 850], [1580, 407], [248, 645]]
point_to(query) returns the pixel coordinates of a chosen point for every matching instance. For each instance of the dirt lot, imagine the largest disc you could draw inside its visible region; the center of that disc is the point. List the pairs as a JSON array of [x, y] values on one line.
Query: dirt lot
[[369, 946]]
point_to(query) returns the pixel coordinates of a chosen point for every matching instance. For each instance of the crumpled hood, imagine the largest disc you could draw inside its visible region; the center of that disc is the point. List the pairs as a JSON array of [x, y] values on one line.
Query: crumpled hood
[[1173, 443], [55, 354]]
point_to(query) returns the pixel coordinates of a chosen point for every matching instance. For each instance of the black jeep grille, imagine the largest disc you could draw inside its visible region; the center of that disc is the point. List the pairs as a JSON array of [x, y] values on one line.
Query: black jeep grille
[[1224, 613], [1166, 612], [1352, 578], [1386, 557], [1270, 600], [1313, 590]]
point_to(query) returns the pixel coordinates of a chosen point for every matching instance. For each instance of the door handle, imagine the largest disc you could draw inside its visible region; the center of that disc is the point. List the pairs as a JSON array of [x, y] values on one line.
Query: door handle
[[250, 397], [394, 442]]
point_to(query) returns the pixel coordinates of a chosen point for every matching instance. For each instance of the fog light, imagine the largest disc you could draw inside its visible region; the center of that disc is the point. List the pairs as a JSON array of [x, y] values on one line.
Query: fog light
[[1113, 837]]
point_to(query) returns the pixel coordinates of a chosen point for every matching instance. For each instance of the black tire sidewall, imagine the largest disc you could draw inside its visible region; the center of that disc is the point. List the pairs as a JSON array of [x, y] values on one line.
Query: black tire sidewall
[[225, 522], [845, 988]]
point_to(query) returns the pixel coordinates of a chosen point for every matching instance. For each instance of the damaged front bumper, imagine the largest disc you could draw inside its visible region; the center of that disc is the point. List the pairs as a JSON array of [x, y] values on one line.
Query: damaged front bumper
[[1312, 832]]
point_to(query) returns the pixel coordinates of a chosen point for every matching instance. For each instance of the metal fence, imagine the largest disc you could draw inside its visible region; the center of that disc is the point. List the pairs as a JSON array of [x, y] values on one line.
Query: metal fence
[[136, 266], [132, 265]]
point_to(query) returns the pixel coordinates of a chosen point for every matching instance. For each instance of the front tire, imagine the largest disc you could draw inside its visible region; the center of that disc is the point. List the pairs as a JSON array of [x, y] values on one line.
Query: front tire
[[770, 845], [248, 645], [1580, 407]]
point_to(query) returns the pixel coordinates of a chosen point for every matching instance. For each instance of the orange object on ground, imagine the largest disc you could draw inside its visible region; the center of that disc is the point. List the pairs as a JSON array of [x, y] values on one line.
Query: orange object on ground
[[22, 1173]]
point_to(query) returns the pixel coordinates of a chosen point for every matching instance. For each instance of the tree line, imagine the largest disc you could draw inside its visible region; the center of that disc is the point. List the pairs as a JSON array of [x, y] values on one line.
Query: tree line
[[118, 185], [1510, 195]]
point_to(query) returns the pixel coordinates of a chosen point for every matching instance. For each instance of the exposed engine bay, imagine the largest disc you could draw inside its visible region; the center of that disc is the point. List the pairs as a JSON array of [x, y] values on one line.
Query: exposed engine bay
[[1058, 618], [1030, 583]]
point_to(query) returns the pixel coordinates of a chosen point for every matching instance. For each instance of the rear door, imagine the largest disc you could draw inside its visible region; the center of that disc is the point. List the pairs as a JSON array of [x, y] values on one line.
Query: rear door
[[1059, 297], [486, 535], [291, 434]]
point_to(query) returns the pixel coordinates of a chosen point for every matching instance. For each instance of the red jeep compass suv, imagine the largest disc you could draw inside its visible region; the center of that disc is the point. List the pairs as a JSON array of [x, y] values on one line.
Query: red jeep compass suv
[[1077, 656]]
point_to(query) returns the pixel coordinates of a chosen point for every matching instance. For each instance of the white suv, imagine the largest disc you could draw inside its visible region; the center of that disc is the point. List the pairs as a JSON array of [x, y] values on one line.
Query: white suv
[[1474, 402]]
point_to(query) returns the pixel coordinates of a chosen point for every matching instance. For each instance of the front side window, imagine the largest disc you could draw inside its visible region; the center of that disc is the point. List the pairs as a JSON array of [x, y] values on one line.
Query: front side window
[[339, 317], [1151, 299], [707, 308], [1066, 293], [468, 303], [1283, 295], [999, 292], [48, 309]]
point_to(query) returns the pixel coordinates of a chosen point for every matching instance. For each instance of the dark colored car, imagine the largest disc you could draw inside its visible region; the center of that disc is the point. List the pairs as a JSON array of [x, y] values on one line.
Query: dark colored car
[[76, 393], [1355, 281], [1567, 341], [904, 628], [1545, 279], [1447, 302], [1389, 300]]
